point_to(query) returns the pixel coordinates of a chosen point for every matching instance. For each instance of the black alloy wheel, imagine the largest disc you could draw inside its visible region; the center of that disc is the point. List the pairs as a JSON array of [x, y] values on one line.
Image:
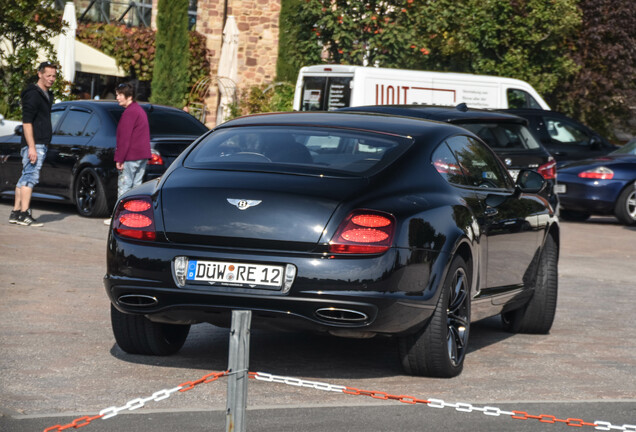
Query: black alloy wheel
[[136, 334], [457, 317], [90, 198], [439, 349]]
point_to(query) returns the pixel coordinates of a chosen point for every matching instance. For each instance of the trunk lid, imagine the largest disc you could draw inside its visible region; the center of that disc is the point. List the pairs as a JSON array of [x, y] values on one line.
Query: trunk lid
[[282, 210]]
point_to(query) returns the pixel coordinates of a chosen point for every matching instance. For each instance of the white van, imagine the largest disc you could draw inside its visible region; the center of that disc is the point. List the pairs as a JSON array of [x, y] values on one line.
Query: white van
[[329, 87]]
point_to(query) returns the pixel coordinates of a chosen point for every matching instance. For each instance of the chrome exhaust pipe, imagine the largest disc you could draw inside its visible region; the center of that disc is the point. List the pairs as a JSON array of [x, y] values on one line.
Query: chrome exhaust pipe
[[138, 300], [341, 315]]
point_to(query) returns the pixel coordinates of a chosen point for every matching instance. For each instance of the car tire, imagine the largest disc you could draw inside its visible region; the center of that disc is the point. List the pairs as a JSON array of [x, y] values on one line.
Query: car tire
[[537, 315], [438, 350], [573, 215], [625, 209], [89, 194], [136, 334]]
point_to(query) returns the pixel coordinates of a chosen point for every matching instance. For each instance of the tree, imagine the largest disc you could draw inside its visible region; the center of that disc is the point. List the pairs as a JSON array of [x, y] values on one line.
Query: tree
[[601, 92], [26, 26], [289, 61], [170, 75], [134, 49], [525, 39]]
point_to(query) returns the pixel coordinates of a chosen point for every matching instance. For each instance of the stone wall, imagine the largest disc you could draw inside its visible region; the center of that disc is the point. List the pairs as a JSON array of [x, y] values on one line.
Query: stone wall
[[257, 21]]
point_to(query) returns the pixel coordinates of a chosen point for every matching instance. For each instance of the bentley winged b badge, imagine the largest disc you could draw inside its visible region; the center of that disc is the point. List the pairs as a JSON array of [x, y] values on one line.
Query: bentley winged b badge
[[243, 204]]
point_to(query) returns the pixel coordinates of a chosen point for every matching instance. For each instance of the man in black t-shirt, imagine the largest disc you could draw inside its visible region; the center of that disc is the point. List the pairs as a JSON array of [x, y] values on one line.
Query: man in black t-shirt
[[37, 100]]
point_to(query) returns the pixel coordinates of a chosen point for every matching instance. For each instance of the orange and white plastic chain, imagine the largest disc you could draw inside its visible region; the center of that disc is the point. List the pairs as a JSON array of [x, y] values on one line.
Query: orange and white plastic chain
[[318, 385], [134, 404], [438, 403]]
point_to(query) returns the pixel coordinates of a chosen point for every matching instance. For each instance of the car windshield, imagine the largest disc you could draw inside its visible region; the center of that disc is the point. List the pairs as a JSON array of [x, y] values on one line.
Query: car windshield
[[168, 122], [297, 149], [503, 136], [629, 148]]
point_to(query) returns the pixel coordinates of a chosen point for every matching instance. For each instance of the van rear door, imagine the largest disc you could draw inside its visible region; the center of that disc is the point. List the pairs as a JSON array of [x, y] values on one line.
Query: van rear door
[[325, 93]]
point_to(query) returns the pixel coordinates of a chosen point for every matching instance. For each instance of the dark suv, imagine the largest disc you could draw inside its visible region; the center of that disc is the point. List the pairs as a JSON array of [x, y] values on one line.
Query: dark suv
[[507, 134], [565, 138]]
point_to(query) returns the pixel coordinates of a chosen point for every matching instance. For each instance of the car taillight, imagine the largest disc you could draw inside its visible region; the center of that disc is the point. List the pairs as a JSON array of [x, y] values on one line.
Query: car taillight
[[364, 232], [155, 158], [443, 167], [135, 219], [548, 170], [599, 173]]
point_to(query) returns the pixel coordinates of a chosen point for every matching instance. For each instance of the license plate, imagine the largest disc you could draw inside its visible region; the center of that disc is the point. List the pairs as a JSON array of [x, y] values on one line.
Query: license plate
[[514, 174], [559, 188], [235, 274]]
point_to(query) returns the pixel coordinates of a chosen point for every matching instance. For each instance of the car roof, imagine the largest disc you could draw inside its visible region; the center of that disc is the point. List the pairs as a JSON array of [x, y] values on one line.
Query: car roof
[[374, 122], [458, 114], [535, 111], [531, 111], [110, 104]]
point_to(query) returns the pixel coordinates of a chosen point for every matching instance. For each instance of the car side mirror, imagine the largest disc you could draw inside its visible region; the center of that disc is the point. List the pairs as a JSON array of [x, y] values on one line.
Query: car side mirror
[[529, 181], [18, 130], [596, 143]]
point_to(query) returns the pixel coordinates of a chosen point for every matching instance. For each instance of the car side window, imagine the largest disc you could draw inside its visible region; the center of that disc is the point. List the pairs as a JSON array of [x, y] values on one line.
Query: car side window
[[565, 132], [92, 126], [171, 122], [446, 164], [56, 115], [518, 98], [479, 164], [74, 123]]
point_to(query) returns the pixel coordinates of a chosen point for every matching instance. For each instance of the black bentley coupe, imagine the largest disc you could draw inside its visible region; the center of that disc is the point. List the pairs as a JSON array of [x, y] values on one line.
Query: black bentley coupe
[[353, 224]]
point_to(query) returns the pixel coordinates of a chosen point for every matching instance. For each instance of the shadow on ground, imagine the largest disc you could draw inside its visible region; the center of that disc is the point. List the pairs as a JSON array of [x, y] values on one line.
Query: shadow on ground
[[303, 354]]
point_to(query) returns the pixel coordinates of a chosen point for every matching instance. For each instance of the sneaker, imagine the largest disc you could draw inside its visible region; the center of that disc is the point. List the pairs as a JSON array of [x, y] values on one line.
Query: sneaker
[[107, 221], [13, 218], [25, 218]]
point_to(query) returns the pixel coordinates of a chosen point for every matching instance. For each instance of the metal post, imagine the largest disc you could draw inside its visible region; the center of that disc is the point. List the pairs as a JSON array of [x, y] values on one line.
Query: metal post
[[238, 366]]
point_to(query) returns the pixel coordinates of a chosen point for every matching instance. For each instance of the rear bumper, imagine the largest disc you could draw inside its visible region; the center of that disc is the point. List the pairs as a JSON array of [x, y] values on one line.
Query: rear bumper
[[379, 294], [593, 196]]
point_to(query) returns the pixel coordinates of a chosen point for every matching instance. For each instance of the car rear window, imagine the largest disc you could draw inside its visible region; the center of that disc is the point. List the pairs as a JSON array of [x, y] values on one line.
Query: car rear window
[[168, 122], [503, 136], [297, 149]]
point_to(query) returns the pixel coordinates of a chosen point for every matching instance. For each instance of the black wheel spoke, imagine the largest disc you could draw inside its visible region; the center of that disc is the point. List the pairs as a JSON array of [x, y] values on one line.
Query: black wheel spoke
[[458, 294], [457, 321], [452, 346]]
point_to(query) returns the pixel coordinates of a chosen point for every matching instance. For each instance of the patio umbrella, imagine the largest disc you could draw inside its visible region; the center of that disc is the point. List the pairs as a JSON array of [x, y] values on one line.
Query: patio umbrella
[[228, 69], [66, 43]]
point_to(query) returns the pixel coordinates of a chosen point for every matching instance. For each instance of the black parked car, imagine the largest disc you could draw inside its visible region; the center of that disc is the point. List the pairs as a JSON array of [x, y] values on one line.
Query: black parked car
[[565, 138], [506, 134], [79, 166], [352, 224]]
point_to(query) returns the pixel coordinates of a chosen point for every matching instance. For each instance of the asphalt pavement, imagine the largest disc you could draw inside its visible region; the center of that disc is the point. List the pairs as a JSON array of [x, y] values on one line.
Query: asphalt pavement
[[59, 362]]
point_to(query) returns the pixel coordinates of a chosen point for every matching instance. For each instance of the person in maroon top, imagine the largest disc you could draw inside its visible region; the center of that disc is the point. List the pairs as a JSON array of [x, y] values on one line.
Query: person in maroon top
[[133, 141]]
